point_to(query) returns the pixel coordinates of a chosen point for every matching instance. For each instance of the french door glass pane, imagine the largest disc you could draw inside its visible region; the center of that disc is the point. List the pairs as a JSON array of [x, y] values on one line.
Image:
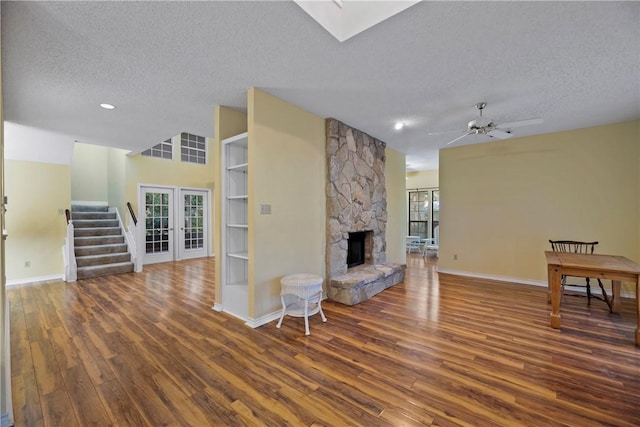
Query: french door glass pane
[[157, 222], [193, 222]]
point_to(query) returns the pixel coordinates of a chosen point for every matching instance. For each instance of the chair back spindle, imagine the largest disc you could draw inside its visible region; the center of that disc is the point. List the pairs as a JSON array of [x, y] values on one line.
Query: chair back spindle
[[573, 246]]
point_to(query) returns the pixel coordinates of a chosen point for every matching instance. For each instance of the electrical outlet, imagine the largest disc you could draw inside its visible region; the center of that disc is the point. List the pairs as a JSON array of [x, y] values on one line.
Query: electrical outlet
[[27, 264], [455, 257]]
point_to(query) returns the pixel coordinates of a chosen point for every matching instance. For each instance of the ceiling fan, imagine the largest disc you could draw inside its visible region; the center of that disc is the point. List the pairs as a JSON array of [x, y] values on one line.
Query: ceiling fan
[[487, 127]]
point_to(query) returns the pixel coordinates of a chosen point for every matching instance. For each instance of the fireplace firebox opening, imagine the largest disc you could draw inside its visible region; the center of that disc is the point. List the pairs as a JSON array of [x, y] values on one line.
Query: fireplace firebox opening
[[355, 249]]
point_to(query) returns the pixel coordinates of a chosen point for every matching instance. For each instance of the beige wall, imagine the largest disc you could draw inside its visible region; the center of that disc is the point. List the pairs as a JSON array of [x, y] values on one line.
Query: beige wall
[[227, 122], [287, 169], [116, 183], [502, 201], [37, 193], [396, 206], [89, 173], [154, 171], [422, 179], [98, 175]]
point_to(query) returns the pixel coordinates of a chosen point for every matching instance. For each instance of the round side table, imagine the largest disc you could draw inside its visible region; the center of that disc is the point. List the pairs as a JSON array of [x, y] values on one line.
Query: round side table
[[308, 290]]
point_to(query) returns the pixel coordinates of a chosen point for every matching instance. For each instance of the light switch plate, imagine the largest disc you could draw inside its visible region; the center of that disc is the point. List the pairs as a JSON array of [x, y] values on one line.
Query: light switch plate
[[265, 209]]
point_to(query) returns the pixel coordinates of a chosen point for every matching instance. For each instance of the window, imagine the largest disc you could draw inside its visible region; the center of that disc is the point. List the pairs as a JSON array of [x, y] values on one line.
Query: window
[[193, 148], [164, 150], [424, 212]]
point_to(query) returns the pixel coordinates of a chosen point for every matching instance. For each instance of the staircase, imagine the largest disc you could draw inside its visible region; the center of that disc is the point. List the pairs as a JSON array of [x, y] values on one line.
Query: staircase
[[100, 248]]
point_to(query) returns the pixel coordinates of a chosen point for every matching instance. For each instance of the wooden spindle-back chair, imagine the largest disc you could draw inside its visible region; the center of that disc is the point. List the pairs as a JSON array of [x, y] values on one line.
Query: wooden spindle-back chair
[[579, 247]]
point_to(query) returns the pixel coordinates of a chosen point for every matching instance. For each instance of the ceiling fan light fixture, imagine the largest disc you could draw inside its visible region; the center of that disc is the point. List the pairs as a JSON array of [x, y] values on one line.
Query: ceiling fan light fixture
[[485, 126]]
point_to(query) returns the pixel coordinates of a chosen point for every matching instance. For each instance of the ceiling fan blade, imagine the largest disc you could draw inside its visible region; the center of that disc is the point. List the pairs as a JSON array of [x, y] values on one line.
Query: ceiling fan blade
[[445, 131], [459, 138], [535, 121], [500, 134]]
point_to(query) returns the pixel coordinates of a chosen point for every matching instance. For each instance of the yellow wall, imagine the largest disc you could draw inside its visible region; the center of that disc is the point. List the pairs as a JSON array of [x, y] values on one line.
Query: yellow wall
[[116, 183], [154, 171], [396, 206], [422, 179], [37, 192], [89, 173], [502, 201], [98, 175], [287, 169], [228, 122]]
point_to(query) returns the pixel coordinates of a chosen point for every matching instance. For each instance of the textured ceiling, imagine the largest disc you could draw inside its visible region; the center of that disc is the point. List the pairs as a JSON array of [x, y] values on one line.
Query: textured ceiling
[[165, 65]]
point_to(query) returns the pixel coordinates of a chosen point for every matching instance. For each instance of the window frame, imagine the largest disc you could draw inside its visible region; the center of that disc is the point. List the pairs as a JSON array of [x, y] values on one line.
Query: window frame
[[195, 148]]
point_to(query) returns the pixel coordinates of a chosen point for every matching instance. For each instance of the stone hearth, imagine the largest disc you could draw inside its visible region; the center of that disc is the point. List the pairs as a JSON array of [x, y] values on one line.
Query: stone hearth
[[364, 281], [356, 201]]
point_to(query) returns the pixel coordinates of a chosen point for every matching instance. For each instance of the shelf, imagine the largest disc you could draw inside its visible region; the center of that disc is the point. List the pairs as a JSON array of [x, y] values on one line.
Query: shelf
[[238, 255], [237, 284], [242, 167], [296, 309], [235, 231], [240, 140]]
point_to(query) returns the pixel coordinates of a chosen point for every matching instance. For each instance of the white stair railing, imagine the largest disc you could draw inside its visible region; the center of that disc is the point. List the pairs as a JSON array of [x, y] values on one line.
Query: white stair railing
[[68, 252]]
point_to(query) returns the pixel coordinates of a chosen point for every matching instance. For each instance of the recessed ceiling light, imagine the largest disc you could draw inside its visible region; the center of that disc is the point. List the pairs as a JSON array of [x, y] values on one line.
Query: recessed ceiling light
[[398, 125], [107, 106]]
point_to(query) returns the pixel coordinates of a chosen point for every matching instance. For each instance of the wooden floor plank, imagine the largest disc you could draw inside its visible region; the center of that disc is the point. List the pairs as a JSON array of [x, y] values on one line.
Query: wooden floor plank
[[85, 400], [27, 409], [146, 349], [58, 411]]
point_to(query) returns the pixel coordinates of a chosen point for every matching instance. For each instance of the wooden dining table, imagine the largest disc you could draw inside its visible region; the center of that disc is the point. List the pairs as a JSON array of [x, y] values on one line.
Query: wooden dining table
[[613, 267]]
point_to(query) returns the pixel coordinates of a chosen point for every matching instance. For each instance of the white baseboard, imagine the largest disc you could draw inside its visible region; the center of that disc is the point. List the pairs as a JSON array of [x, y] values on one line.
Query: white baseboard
[[594, 289], [14, 282], [252, 323], [493, 277], [263, 320]]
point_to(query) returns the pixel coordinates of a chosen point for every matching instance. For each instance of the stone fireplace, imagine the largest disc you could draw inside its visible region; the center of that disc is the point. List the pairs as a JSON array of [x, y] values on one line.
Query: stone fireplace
[[356, 206]]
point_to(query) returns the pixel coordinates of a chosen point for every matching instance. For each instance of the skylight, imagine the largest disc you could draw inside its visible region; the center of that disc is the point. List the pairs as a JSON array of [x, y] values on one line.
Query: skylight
[[344, 19]]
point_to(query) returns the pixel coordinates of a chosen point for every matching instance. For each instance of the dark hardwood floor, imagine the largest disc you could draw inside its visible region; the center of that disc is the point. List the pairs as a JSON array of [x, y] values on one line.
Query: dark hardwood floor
[[147, 350]]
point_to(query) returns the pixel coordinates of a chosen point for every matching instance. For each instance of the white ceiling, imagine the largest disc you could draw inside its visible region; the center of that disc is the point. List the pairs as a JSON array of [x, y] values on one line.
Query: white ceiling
[[165, 65]]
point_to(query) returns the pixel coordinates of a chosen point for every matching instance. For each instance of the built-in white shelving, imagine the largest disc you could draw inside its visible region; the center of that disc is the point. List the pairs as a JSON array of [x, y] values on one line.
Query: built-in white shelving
[[235, 226]]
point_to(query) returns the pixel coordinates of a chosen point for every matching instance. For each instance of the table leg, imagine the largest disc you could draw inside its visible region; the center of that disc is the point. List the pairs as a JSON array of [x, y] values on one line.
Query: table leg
[[284, 310], [615, 291], [306, 317], [554, 278], [324, 319]]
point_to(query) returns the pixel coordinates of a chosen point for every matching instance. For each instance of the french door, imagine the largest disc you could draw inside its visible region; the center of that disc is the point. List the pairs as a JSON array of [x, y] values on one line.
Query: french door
[[194, 219], [176, 223], [157, 206]]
